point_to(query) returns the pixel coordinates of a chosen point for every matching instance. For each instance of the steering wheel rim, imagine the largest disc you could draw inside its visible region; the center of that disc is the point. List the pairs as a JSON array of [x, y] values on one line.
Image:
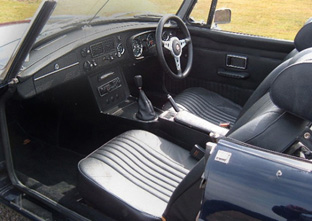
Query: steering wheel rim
[[175, 46]]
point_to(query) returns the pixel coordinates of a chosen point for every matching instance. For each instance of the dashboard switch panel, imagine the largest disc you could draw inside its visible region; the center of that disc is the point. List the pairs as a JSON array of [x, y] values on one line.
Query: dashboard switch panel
[[109, 88]]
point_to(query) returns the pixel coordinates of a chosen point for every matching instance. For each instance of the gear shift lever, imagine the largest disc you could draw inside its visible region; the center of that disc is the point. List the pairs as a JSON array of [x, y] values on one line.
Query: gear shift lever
[[138, 81], [146, 111]]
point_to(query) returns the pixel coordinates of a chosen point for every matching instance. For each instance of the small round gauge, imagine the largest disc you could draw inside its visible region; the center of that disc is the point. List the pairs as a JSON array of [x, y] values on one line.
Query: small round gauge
[[165, 36], [150, 40], [137, 48], [120, 49]]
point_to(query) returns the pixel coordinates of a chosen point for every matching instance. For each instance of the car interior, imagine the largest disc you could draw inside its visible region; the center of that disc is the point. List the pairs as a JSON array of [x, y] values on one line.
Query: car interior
[[114, 124]]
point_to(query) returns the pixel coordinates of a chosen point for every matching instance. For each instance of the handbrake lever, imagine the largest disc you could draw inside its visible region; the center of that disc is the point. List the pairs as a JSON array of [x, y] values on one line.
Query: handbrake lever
[[173, 103]]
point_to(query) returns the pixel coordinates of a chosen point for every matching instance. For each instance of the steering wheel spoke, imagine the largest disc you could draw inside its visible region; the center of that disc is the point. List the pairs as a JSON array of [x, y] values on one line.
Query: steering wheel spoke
[[184, 42], [166, 45], [178, 64]]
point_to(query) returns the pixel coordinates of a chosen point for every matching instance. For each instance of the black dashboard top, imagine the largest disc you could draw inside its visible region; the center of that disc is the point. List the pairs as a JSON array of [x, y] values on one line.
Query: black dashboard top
[[86, 51]]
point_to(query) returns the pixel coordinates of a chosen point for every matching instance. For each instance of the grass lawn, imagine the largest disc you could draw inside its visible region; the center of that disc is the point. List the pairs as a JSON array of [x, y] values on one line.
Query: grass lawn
[[15, 10], [271, 18]]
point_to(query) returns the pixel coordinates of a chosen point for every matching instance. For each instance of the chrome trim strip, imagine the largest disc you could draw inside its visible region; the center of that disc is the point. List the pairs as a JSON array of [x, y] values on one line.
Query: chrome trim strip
[[53, 72], [104, 76]]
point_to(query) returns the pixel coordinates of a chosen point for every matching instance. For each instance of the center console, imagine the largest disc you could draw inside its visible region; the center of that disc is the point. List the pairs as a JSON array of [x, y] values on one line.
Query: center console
[[113, 98], [109, 88]]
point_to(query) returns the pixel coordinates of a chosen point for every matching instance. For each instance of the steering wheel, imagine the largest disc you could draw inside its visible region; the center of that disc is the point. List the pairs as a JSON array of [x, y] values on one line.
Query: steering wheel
[[175, 46]]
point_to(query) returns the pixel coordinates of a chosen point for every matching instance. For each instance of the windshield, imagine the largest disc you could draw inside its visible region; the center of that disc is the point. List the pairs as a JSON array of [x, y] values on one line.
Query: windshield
[[71, 13], [111, 7], [80, 12]]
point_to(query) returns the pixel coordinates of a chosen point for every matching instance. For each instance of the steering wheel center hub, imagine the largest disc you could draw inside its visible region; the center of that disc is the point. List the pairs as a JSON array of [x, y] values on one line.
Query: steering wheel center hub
[[176, 47]]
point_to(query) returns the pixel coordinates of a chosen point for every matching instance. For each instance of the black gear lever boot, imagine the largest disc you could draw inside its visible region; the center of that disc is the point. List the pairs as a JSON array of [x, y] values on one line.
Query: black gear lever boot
[[146, 111]]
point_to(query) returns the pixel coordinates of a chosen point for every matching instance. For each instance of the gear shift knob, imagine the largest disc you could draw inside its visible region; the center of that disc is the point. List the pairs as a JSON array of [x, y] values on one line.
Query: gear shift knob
[[145, 108], [138, 81]]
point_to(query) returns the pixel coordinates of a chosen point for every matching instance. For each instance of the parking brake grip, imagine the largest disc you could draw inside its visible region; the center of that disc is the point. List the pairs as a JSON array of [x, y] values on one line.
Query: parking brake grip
[[173, 103], [146, 111]]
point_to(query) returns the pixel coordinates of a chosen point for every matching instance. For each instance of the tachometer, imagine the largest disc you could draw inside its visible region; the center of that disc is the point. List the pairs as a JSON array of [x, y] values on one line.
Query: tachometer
[[150, 40], [165, 36], [137, 48]]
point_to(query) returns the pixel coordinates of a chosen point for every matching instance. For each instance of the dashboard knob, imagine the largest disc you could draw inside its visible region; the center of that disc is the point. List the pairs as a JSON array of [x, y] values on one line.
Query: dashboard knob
[[94, 63], [84, 52], [87, 65]]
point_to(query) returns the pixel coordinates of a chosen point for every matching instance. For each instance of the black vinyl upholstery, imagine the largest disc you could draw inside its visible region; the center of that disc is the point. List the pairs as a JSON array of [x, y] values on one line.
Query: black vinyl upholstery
[[268, 126], [303, 37], [133, 176], [217, 109], [207, 105], [302, 40], [282, 89]]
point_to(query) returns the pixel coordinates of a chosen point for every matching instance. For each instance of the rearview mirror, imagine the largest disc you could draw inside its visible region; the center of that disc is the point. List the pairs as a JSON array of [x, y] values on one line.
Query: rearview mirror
[[222, 16]]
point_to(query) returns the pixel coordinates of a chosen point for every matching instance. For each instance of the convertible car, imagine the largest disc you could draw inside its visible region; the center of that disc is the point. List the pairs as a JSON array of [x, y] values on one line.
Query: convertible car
[[136, 110]]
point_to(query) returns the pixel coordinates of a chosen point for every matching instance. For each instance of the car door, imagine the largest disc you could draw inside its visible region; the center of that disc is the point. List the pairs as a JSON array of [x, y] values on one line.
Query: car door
[[249, 183], [231, 59]]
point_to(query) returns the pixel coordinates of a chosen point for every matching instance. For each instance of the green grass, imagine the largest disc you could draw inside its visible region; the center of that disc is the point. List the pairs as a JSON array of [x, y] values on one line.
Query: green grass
[[270, 18], [15, 10], [117, 6]]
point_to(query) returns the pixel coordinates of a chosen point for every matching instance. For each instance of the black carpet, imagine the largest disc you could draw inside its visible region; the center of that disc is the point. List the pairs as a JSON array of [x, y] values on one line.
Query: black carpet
[[50, 170]]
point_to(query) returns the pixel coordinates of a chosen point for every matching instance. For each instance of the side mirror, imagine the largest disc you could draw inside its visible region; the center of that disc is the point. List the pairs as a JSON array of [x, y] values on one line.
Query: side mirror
[[222, 16]]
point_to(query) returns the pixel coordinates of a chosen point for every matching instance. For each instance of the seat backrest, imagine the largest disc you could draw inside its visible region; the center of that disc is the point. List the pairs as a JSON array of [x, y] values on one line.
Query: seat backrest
[[280, 111], [303, 39]]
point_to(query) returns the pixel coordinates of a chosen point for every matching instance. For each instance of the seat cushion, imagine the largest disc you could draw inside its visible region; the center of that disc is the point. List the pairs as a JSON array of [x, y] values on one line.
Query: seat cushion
[[133, 176], [207, 105]]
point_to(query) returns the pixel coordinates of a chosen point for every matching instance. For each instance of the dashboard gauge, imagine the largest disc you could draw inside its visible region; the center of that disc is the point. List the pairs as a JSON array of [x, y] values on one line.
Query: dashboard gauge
[[150, 40], [137, 48], [120, 50], [165, 36]]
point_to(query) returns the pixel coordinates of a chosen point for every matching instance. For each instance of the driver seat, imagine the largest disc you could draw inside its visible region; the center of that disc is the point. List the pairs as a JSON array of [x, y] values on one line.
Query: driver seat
[[217, 109]]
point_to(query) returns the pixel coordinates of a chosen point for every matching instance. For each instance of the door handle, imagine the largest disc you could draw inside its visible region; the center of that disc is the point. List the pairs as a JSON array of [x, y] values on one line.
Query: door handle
[[236, 61]]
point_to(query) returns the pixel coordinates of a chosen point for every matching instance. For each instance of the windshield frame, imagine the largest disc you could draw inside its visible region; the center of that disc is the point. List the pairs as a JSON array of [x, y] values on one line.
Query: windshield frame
[[27, 40]]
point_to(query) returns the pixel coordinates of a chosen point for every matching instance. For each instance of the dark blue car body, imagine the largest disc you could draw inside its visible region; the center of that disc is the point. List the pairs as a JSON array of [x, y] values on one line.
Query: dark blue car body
[[256, 184]]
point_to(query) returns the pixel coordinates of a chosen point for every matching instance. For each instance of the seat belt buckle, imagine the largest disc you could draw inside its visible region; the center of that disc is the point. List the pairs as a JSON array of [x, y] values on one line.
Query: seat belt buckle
[[197, 152]]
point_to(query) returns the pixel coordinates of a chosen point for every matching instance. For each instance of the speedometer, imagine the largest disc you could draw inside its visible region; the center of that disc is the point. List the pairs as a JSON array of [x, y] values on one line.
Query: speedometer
[[137, 48]]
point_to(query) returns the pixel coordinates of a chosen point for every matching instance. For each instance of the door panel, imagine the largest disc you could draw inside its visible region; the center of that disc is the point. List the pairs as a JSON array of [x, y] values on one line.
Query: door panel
[[246, 183], [210, 70]]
